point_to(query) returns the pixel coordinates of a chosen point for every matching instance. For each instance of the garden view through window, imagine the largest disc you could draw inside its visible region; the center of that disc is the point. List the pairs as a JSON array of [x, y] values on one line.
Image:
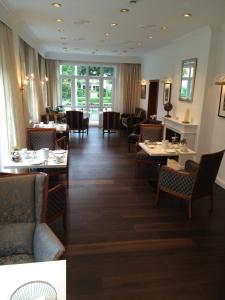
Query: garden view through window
[[88, 88]]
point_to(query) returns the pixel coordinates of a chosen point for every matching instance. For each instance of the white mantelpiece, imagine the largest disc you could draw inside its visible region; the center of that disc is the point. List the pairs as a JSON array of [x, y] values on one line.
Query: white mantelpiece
[[187, 131]]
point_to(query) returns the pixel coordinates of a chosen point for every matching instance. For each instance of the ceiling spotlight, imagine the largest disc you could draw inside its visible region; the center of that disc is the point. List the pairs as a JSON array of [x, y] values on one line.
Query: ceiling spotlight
[[187, 15], [56, 4], [124, 10], [61, 30], [164, 27], [114, 24], [140, 44], [149, 37], [59, 20], [107, 34]]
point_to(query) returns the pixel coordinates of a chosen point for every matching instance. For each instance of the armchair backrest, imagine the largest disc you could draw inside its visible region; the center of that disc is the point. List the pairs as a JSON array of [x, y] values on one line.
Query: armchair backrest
[[140, 113], [75, 119], [38, 138], [152, 132], [111, 120], [23, 204], [207, 172]]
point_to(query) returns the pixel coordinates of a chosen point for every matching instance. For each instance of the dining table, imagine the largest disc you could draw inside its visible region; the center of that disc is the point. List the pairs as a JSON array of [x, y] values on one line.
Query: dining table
[[33, 160]]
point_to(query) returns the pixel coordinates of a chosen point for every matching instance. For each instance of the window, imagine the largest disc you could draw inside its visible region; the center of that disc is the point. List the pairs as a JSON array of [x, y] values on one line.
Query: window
[[87, 87]]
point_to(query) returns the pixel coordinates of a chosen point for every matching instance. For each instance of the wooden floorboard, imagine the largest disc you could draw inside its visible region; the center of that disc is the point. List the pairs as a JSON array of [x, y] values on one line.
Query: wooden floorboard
[[120, 246]]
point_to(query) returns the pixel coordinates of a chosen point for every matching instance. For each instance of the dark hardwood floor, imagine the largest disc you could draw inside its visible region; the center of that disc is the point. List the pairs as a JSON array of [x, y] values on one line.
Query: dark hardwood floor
[[119, 246]]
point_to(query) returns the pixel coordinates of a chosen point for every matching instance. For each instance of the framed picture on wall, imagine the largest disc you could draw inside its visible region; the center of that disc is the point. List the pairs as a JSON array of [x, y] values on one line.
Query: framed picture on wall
[[221, 112], [143, 91], [167, 93]]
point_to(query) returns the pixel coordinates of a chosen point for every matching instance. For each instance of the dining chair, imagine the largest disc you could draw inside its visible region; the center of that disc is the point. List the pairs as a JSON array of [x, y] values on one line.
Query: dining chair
[[111, 122], [25, 236], [195, 181], [153, 133], [38, 138]]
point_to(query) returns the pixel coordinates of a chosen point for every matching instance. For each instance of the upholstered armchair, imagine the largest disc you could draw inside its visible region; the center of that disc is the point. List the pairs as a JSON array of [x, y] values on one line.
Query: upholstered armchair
[[111, 122], [24, 237], [129, 121], [77, 122], [195, 181]]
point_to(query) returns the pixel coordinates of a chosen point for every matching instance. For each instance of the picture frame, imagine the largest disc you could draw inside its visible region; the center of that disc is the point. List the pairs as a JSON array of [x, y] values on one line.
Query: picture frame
[[143, 91], [187, 84], [166, 93], [221, 111]]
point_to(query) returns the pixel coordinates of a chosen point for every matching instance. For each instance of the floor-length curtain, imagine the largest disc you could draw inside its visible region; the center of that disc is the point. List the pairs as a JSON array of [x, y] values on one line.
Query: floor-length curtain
[[32, 96], [43, 78], [12, 122], [53, 82], [128, 85]]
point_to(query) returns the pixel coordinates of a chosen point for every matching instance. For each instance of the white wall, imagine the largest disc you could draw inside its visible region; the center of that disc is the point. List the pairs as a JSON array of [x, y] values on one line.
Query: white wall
[[208, 46], [166, 62], [212, 137]]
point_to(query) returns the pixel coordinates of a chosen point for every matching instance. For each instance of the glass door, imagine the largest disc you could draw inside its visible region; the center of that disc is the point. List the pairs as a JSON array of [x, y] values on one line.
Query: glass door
[[94, 100]]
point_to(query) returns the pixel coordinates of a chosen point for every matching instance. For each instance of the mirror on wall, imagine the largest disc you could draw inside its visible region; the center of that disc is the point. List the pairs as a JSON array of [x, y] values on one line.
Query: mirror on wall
[[188, 72]]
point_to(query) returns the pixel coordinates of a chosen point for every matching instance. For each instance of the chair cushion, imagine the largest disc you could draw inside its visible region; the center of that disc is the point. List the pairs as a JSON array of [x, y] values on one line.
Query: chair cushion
[[16, 239], [16, 259]]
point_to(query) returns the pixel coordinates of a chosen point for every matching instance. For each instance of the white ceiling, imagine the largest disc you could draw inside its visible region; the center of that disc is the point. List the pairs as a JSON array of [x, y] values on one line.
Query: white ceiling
[[86, 22]]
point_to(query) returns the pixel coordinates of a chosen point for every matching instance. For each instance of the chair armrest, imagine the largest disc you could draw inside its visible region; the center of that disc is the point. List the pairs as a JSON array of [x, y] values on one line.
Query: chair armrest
[[191, 166], [62, 142], [46, 245], [179, 182]]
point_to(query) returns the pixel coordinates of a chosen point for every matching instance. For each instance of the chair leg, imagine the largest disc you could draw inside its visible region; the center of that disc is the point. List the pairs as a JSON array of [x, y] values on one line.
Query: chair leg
[[157, 196], [190, 209], [211, 203]]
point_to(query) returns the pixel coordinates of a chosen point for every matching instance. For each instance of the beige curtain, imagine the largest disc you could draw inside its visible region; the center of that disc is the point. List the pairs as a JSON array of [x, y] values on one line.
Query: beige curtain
[[43, 77], [12, 121], [32, 96], [53, 83], [128, 85]]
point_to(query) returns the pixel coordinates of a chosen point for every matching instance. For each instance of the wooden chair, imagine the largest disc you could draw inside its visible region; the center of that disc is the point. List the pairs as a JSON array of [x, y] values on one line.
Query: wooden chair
[[195, 181], [77, 122], [111, 122], [38, 138]]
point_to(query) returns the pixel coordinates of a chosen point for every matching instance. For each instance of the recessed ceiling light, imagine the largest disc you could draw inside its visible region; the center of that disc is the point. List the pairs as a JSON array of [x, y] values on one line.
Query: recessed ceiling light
[[164, 27], [61, 30], [64, 48], [56, 4], [107, 34], [140, 44], [187, 15], [124, 10], [133, 1], [114, 24], [149, 37], [81, 22], [59, 20]]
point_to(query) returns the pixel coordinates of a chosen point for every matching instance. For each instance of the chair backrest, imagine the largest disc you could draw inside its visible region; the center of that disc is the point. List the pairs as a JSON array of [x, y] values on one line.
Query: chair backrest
[[23, 205], [140, 113], [207, 172], [152, 132], [38, 138], [111, 120], [75, 119]]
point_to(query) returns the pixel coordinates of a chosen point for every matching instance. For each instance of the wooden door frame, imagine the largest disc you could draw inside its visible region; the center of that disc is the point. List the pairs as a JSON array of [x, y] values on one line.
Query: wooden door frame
[[155, 98]]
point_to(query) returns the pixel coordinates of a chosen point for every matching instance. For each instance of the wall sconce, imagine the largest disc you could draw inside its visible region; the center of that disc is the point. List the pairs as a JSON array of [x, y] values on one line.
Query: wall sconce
[[166, 80], [220, 80], [45, 80], [26, 81], [143, 89]]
